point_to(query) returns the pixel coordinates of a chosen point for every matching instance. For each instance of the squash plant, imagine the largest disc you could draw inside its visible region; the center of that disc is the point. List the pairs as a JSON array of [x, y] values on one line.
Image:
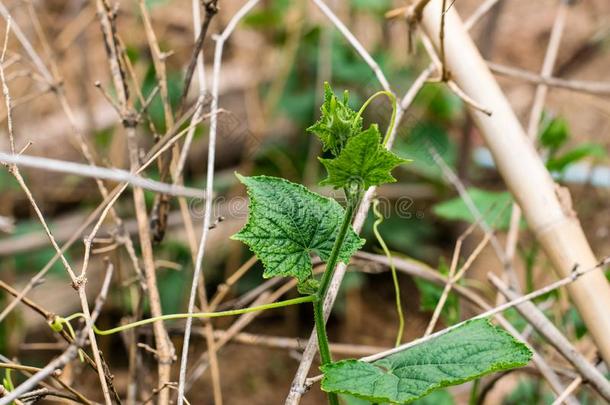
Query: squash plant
[[287, 223]]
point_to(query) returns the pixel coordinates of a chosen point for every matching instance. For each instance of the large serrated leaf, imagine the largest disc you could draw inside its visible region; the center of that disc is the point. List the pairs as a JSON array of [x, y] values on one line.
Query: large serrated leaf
[[465, 353], [287, 222], [363, 161]]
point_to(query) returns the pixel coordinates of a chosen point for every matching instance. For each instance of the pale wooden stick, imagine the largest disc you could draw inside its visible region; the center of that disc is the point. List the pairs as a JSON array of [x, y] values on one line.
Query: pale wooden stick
[[551, 334], [550, 217], [568, 391]]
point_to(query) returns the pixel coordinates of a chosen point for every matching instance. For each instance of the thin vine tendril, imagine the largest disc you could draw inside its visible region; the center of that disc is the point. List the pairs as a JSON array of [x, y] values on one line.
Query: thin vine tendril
[[392, 99], [58, 322], [401, 318]]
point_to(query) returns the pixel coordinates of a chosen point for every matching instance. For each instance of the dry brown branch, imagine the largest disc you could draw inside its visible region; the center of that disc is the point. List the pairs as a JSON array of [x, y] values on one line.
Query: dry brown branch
[[165, 349], [224, 288], [77, 283], [69, 354], [76, 396], [581, 86], [211, 9], [452, 177], [96, 172], [568, 391], [454, 277]]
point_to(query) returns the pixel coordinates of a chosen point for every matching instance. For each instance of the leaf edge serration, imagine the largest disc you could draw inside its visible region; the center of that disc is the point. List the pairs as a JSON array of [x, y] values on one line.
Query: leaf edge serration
[[344, 257], [499, 366]]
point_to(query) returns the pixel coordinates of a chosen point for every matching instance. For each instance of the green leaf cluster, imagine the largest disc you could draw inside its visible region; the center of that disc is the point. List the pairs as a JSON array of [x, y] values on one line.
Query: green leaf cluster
[[554, 138], [462, 354], [364, 162], [337, 123], [360, 159]]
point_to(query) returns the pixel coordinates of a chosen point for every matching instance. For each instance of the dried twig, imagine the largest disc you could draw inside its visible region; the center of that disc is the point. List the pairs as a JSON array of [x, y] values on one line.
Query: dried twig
[[354, 43], [69, 354], [211, 9], [450, 175], [27, 370], [568, 391], [77, 283], [165, 349], [581, 86], [220, 41], [454, 277], [97, 172], [540, 322]]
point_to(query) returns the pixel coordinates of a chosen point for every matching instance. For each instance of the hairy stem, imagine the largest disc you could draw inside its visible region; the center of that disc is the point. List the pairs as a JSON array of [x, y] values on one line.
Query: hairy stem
[[318, 304]]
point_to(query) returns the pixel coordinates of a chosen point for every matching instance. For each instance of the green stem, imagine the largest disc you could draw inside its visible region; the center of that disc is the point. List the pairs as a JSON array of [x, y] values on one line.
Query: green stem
[[474, 392], [392, 99], [401, 318], [318, 304], [280, 304]]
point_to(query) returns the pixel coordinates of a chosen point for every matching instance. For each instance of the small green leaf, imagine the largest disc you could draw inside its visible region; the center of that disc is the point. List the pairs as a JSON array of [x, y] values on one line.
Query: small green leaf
[[560, 163], [363, 161], [287, 223], [463, 354], [375, 6], [337, 122], [494, 206], [555, 134]]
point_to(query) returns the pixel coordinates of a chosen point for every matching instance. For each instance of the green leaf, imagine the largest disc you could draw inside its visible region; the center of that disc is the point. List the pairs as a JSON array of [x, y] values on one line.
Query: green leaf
[[376, 6], [337, 122], [440, 397], [555, 134], [560, 163], [463, 354], [363, 161], [494, 206], [287, 223]]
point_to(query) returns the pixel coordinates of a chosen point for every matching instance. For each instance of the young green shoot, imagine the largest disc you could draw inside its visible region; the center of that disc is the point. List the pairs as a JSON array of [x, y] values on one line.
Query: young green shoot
[[287, 223]]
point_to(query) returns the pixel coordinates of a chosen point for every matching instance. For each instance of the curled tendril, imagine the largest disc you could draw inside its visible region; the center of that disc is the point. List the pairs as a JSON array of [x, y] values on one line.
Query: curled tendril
[[57, 325]]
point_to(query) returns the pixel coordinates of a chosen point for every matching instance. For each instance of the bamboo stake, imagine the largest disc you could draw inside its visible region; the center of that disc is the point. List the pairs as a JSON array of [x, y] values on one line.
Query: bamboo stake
[[547, 207]]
